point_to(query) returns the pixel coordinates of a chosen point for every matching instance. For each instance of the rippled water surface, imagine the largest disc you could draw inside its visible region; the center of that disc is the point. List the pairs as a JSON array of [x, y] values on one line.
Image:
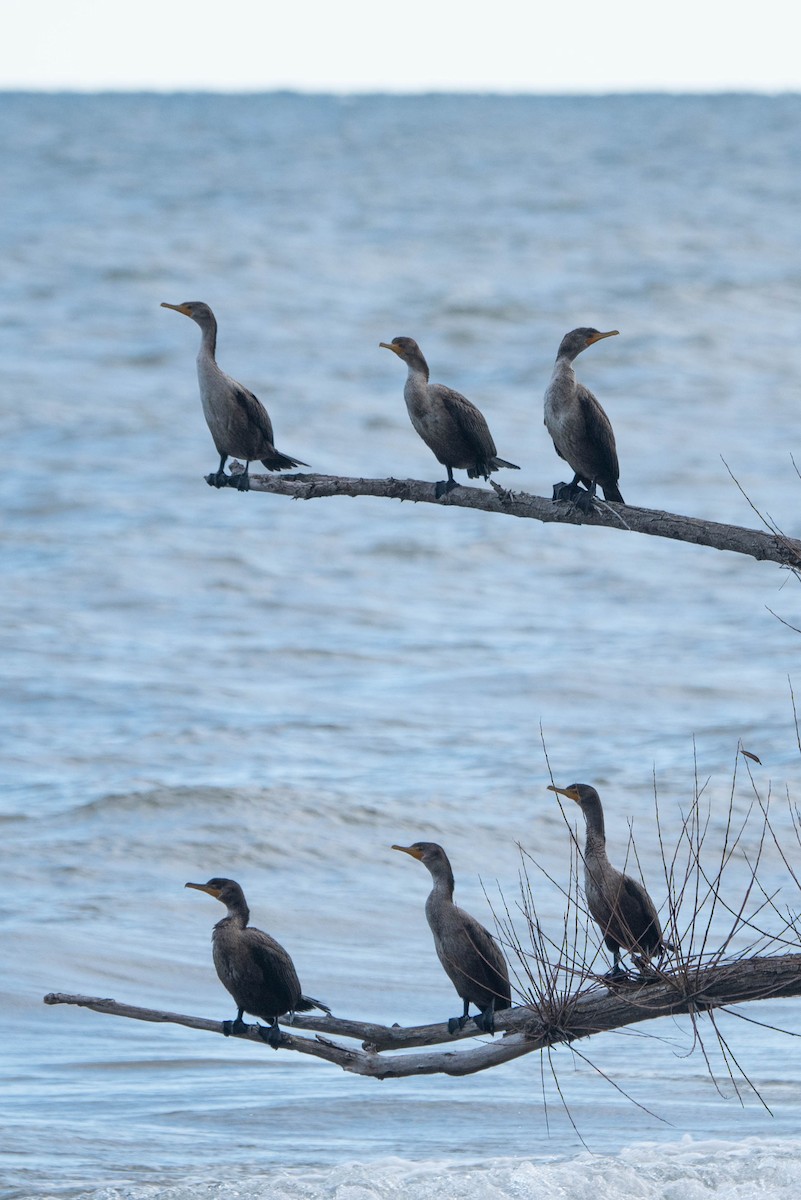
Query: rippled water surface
[[199, 682]]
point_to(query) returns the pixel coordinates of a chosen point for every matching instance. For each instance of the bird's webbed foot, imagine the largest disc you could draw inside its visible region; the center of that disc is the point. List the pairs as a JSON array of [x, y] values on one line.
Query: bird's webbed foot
[[566, 491], [217, 479], [444, 486], [583, 500], [271, 1034], [457, 1023], [485, 1021], [575, 494], [230, 1028]]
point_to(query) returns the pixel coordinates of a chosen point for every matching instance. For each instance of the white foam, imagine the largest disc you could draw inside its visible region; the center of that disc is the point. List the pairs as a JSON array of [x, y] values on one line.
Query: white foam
[[684, 1170]]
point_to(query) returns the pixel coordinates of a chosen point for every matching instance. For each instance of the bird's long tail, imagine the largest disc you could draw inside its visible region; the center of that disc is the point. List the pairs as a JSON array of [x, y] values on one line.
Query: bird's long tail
[[487, 466], [281, 462], [307, 1002], [611, 492]]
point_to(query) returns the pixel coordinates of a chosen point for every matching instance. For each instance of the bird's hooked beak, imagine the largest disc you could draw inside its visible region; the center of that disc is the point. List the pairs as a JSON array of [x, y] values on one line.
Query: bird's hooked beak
[[597, 337], [571, 793], [181, 308], [201, 887], [395, 350], [412, 850]]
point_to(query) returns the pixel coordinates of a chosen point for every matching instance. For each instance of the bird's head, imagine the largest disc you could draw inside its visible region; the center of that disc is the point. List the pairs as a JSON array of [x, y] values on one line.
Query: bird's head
[[406, 348], [227, 891], [581, 793], [428, 853], [196, 309], [577, 340]]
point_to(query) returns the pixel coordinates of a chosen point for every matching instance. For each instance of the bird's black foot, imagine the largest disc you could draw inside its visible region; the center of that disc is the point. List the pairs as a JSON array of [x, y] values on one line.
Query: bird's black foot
[[574, 494], [217, 479], [648, 973], [241, 482], [485, 1021], [456, 1023], [617, 972], [444, 486], [271, 1034], [233, 1027], [583, 500], [566, 491]]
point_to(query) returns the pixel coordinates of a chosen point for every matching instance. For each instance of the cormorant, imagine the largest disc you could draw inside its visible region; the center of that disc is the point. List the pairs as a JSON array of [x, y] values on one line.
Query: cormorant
[[255, 969], [621, 907], [581, 431], [470, 955], [449, 424], [238, 421]]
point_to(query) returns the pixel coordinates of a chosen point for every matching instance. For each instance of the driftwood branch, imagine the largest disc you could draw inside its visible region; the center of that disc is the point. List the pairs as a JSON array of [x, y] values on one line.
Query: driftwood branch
[[525, 1029], [773, 546]]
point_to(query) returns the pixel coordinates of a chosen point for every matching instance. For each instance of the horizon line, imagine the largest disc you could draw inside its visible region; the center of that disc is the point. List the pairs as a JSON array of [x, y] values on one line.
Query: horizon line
[[358, 92]]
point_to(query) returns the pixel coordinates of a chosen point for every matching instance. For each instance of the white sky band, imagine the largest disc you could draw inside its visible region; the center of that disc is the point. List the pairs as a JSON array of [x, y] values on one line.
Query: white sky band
[[356, 46]]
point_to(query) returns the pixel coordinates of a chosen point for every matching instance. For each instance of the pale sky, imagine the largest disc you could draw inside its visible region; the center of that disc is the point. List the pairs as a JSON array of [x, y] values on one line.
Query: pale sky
[[407, 45]]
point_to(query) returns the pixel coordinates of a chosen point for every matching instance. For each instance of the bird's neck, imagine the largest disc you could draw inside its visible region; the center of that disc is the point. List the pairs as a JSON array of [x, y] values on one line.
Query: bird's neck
[[560, 393], [568, 355], [417, 368], [238, 915], [442, 877], [561, 390], [563, 369], [208, 340], [596, 835]]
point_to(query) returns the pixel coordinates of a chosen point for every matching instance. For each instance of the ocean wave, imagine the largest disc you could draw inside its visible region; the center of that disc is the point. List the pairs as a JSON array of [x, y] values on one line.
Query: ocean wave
[[685, 1170]]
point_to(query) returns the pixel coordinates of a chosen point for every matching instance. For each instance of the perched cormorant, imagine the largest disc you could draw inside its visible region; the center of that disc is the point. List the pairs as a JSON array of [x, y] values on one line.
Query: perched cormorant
[[470, 955], [620, 906], [449, 424], [581, 431], [255, 969], [238, 421]]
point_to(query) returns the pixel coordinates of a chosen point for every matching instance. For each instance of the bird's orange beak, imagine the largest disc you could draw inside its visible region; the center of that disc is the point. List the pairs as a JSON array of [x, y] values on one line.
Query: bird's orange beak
[[395, 350], [612, 333], [409, 849], [181, 308], [201, 887], [571, 793]]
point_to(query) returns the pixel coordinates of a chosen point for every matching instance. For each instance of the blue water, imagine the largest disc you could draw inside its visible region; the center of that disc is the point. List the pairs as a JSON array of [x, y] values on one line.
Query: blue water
[[200, 682]]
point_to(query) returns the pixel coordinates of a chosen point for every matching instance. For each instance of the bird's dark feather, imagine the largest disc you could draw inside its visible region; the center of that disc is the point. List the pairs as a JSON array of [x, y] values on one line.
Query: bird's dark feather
[[599, 430], [470, 423], [253, 411]]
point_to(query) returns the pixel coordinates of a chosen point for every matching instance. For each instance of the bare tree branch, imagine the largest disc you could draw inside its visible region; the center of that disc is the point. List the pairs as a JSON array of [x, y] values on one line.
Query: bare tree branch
[[772, 546], [528, 1028]]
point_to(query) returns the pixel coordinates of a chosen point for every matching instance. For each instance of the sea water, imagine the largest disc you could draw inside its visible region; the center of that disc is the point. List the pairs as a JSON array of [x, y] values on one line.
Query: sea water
[[199, 683]]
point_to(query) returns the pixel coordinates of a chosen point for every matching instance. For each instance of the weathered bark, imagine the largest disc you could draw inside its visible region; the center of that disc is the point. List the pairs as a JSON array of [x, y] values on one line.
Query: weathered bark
[[526, 1028], [774, 547]]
